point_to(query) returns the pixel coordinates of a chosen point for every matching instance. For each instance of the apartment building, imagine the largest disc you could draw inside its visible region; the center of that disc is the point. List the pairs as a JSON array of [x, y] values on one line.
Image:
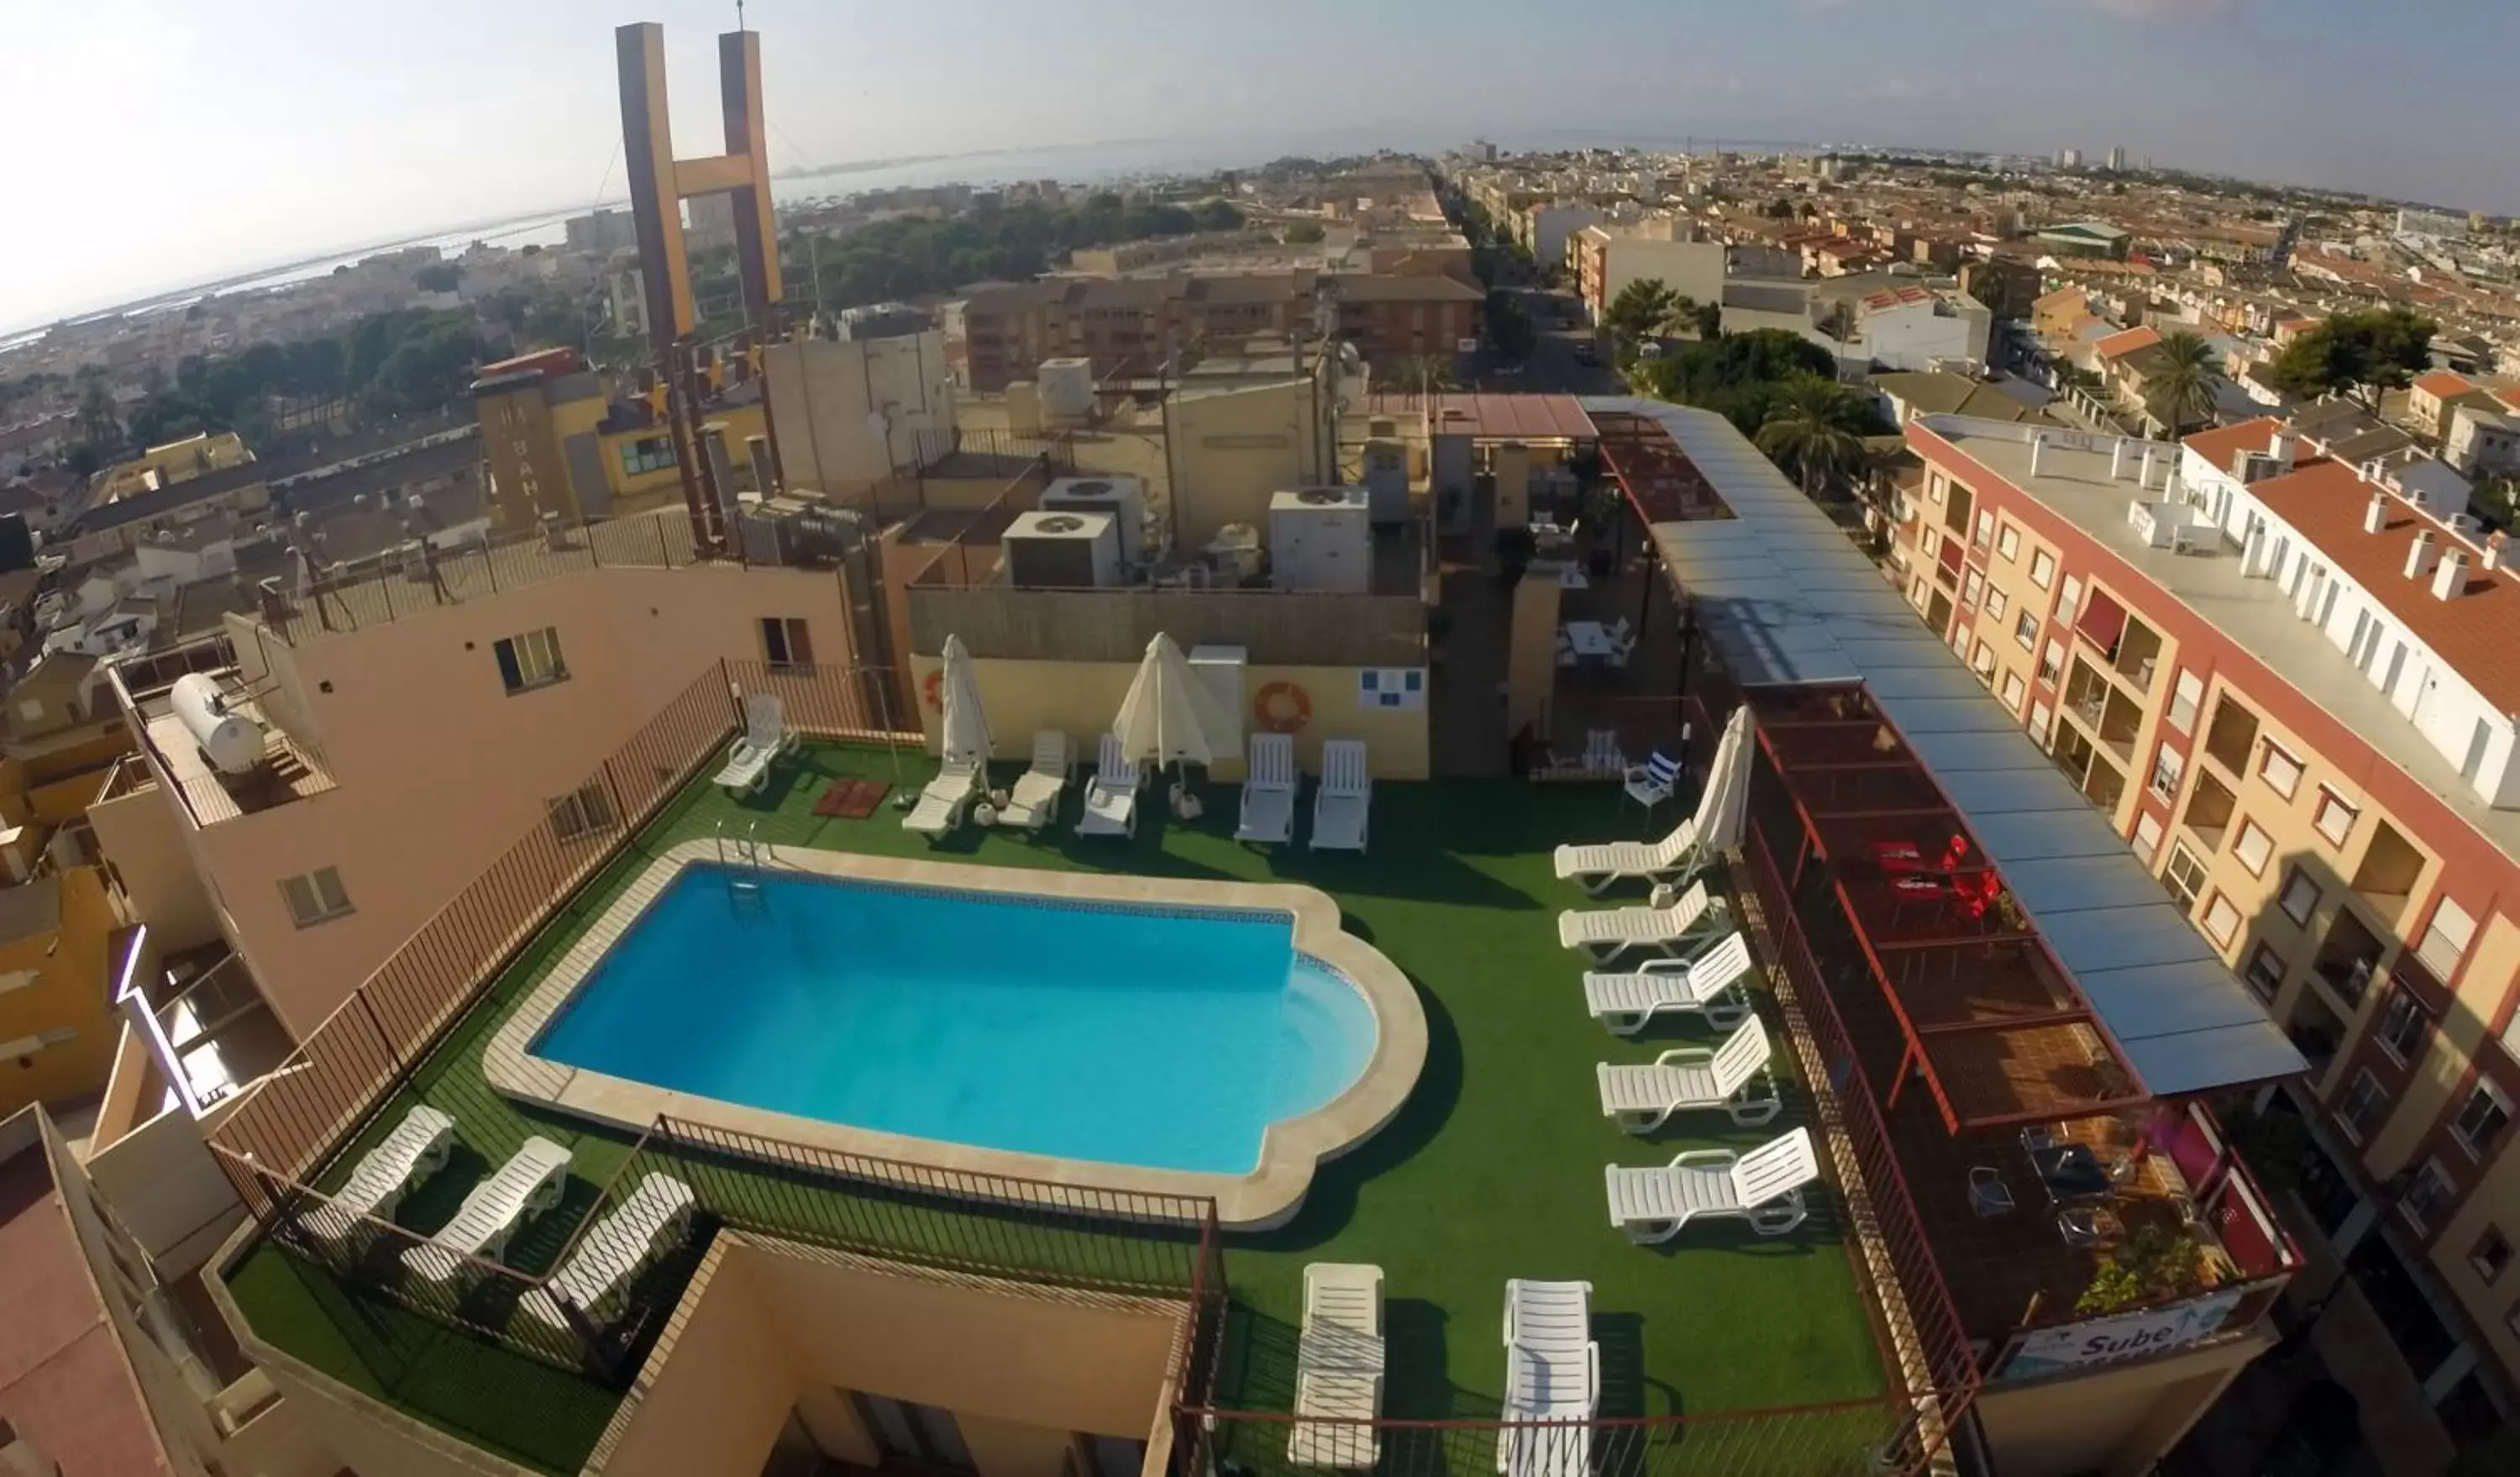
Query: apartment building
[[352, 813], [559, 445], [2279, 673], [1605, 258], [1129, 326]]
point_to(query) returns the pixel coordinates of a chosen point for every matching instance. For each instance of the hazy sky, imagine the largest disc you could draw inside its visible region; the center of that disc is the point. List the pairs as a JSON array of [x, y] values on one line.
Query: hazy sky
[[156, 142]]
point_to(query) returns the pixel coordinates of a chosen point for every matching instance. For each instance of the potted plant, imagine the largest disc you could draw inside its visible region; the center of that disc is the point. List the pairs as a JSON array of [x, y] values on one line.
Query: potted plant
[[2153, 1264]]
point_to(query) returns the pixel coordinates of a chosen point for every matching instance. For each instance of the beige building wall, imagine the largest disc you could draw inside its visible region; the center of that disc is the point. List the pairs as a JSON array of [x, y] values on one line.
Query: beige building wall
[[849, 414], [140, 835], [161, 1182], [768, 1328], [2115, 1422], [2496, 1200], [1232, 450], [1081, 699], [439, 770]]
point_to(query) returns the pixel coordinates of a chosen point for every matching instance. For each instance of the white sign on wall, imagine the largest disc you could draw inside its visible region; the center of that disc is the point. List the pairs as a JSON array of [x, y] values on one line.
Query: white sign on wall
[[1395, 689], [2125, 1335]]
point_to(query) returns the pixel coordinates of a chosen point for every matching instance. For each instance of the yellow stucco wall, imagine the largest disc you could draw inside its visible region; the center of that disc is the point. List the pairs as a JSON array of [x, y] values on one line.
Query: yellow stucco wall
[[2117, 1422], [1230, 452], [1081, 699], [55, 981]]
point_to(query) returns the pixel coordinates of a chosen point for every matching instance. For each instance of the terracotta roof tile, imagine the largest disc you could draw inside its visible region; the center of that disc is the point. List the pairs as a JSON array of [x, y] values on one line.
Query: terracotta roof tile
[[2119, 344], [2220, 444], [2442, 384], [2474, 632]]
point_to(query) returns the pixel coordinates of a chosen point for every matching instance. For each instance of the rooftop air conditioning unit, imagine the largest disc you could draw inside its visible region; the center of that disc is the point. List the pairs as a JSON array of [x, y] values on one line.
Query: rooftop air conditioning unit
[[1063, 550], [1322, 539], [1124, 499]]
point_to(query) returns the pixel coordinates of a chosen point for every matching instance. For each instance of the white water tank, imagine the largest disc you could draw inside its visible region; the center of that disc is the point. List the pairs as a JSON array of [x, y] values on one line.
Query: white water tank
[[1066, 389], [230, 742]]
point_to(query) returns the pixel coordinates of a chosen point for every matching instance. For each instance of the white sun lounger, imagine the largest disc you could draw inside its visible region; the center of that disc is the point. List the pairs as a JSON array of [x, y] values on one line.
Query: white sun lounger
[[1033, 803], [415, 1150], [1676, 858], [1111, 795], [1341, 806], [1708, 985], [1269, 790], [766, 736], [1552, 1373], [1679, 931], [1338, 1367], [614, 1248], [1764, 1188], [1733, 1077], [943, 800], [531, 1179]]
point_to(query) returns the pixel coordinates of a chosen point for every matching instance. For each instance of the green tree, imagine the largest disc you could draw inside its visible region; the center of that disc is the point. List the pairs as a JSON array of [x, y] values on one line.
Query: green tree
[[1642, 307], [96, 421], [2361, 354], [1216, 215], [1302, 233], [1425, 374], [2180, 377], [1779, 208], [1814, 433], [1508, 326], [82, 459]]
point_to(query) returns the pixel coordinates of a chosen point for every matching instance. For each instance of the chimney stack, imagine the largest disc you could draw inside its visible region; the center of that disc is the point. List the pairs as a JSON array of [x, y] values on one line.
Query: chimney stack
[[2038, 452], [2117, 460], [2143, 478], [2494, 555], [2376, 516], [2449, 581], [2419, 555], [2282, 447]]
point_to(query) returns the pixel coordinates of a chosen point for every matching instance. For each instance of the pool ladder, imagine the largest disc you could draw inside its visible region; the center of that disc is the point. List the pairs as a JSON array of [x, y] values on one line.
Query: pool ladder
[[746, 851]]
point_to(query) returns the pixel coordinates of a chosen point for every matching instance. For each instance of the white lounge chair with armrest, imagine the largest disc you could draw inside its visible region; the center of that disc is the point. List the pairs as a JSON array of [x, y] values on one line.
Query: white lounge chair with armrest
[[1709, 985], [1269, 790], [1763, 1186], [415, 1150], [941, 803], [1552, 1373], [1676, 858], [1111, 795], [1338, 1367], [1679, 931], [1733, 1077], [1033, 803], [1651, 783], [1343, 803], [614, 1249], [530, 1180], [766, 736]]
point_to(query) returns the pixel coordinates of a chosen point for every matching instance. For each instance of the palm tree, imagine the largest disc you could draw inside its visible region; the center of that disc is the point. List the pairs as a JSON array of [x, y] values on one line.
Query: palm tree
[[1810, 433], [2180, 377], [1425, 375]]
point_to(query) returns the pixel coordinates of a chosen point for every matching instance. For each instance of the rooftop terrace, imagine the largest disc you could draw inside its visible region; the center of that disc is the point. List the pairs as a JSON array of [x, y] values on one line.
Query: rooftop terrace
[[1492, 1170]]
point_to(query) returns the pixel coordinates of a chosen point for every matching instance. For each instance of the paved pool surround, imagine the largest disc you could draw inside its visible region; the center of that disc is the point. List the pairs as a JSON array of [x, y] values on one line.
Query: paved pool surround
[[1268, 1195]]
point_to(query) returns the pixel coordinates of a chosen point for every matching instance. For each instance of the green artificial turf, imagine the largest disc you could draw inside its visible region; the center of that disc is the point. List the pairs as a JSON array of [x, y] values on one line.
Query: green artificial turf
[[1492, 1171]]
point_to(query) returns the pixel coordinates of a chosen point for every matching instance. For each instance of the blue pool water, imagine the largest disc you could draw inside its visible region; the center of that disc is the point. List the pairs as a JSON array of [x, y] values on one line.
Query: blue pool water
[[1166, 1040]]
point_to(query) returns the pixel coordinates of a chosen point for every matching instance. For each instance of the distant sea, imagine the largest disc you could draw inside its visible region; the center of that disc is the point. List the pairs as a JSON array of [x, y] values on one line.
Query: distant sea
[[1075, 165]]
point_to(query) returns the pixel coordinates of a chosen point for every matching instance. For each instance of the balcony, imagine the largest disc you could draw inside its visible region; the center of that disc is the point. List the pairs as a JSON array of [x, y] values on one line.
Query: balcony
[[2107, 714], [2210, 803], [2386, 879], [1960, 508], [2316, 1031], [203, 1017], [2139, 657], [2232, 737], [2089, 766], [1948, 560], [2348, 958]]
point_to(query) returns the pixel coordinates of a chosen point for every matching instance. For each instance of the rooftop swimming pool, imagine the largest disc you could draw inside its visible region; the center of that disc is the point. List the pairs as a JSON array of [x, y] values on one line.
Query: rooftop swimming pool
[[914, 1014]]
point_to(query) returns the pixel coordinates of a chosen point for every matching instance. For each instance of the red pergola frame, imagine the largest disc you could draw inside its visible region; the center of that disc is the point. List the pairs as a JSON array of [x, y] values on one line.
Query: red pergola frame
[[1777, 726]]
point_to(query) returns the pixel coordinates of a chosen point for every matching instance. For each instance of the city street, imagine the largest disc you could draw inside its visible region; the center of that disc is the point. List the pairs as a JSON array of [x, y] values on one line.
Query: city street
[[1553, 367]]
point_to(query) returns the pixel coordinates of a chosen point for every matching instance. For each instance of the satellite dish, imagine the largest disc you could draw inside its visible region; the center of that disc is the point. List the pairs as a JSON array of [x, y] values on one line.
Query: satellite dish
[[1062, 524]]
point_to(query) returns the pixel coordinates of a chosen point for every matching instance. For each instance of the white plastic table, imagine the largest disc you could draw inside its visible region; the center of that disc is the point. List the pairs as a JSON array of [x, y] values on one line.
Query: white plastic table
[[1588, 637]]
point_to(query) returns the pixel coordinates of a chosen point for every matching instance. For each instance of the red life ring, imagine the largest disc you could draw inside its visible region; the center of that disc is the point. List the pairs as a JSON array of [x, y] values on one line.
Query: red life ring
[[1281, 707], [934, 689]]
